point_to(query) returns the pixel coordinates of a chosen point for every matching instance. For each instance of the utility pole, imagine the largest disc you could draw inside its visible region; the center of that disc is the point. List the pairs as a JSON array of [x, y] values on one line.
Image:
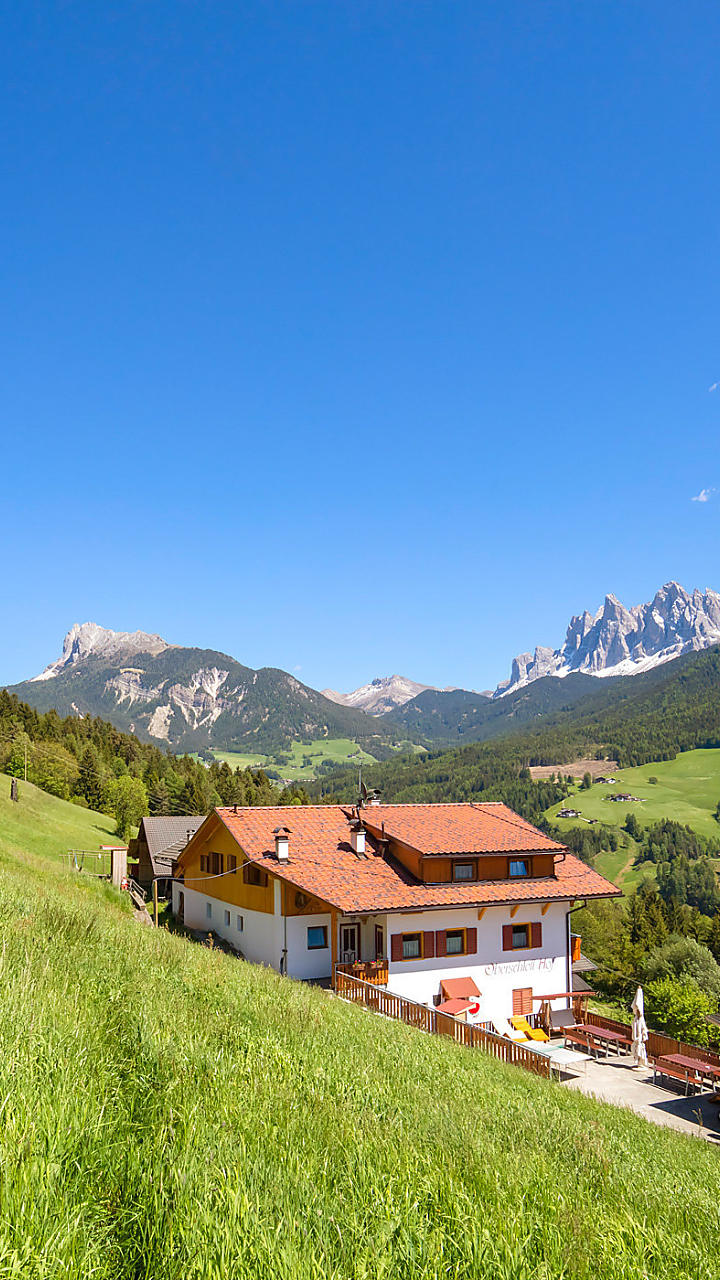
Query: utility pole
[[155, 902]]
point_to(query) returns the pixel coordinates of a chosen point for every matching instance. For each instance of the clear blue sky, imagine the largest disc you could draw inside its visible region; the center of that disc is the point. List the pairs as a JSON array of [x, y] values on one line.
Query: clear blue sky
[[356, 337]]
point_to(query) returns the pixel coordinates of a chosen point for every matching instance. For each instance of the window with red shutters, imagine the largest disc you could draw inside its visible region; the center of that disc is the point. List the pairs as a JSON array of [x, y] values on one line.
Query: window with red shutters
[[470, 942], [440, 943], [536, 934], [396, 947], [428, 946]]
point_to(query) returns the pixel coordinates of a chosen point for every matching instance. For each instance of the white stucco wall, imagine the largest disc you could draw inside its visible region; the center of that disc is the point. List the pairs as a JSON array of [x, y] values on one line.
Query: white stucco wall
[[261, 938], [495, 972], [302, 962]]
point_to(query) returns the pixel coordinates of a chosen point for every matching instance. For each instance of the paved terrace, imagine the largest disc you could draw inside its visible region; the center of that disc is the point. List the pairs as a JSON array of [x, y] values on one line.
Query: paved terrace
[[615, 1080]]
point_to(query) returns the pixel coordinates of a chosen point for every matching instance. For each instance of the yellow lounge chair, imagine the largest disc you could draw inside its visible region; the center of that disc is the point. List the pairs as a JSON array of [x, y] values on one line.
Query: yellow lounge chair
[[532, 1033]]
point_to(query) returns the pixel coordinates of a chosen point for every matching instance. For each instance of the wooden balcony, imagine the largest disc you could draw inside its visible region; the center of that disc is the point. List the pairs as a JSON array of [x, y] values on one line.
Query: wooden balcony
[[375, 971]]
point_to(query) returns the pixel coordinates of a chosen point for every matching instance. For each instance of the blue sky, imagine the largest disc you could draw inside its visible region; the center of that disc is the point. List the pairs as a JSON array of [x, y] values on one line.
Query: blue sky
[[355, 337]]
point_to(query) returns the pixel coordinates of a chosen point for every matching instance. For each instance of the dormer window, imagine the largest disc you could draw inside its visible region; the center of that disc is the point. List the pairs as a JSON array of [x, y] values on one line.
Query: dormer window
[[464, 871], [519, 867]]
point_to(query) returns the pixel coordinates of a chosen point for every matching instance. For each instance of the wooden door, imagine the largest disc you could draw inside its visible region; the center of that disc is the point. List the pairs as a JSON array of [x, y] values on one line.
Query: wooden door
[[349, 943]]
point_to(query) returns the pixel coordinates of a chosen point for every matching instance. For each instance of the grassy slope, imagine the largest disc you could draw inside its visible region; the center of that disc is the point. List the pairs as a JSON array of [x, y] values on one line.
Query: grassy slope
[[171, 1112], [687, 791]]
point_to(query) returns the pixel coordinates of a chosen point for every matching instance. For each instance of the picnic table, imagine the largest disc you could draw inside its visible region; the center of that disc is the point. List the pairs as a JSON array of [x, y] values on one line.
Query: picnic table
[[681, 1066], [597, 1037]]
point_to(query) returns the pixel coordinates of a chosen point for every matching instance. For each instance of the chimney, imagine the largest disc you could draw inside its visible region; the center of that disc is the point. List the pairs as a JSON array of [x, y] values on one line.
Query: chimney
[[282, 843], [374, 798], [357, 838]]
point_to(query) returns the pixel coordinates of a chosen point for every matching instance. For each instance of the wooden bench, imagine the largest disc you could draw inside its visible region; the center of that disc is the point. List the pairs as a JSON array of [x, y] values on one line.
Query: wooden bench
[[661, 1068]]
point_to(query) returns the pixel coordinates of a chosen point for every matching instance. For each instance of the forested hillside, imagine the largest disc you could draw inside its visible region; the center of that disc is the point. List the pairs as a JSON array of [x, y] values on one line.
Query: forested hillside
[[648, 717], [92, 763]]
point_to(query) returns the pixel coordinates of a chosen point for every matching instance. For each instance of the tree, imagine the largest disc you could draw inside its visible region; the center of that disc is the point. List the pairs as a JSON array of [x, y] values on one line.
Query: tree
[[586, 782], [683, 958], [129, 800], [678, 1007], [632, 826]]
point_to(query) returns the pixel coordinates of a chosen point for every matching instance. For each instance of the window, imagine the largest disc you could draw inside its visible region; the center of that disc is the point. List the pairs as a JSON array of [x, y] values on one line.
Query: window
[[208, 910], [216, 864], [317, 937], [463, 871], [412, 946], [455, 942], [239, 924], [204, 862], [232, 862], [519, 867], [227, 919], [519, 937], [255, 875]]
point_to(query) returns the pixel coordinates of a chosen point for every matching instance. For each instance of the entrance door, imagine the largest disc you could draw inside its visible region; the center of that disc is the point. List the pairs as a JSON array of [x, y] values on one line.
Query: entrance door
[[349, 943]]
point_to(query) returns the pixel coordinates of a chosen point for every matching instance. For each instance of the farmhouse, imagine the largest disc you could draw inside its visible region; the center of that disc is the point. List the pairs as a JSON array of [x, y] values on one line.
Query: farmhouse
[[409, 895]]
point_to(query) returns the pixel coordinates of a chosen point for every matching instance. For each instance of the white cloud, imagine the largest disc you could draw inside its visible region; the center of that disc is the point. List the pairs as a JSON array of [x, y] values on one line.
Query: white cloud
[[703, 496], [299, 668], [714, 386]]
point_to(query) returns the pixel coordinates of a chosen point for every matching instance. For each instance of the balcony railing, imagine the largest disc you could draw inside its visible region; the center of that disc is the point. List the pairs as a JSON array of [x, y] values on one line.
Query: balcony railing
[[375, 971]]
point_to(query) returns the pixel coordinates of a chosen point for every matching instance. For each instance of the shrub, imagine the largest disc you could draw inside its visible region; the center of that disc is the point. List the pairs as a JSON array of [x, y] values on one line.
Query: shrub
[[678, 1007], [684, 958]]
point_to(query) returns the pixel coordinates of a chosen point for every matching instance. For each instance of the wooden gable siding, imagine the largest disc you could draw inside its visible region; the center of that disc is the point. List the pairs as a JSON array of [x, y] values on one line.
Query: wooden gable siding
[[214, 837], [489, 866], [296, 903]]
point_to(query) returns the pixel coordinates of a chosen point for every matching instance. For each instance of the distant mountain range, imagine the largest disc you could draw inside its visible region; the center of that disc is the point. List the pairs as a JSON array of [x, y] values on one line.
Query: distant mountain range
[[622, 642], [190, 699], [193, 699]]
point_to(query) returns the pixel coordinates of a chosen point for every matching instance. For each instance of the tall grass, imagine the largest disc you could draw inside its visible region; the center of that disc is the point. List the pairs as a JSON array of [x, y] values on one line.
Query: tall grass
[[168, 1112]]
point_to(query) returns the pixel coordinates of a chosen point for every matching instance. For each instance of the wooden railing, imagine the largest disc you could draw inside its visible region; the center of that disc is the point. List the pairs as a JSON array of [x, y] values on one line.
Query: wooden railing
[[375, 971], [657, 1044], [472, 1035]]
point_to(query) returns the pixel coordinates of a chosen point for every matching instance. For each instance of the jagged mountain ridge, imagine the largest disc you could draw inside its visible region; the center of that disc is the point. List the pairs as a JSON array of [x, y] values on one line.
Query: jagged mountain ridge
[[189, 699], [617, 641]]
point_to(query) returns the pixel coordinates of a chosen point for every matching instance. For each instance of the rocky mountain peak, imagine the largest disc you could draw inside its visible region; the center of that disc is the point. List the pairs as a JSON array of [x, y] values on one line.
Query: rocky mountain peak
[[88, 639], [382, 694], [621, 641]]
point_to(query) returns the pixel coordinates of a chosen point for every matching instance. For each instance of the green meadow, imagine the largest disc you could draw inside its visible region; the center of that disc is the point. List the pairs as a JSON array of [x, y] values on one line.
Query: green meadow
[[304, 759], [173, 1113], [686, 790]]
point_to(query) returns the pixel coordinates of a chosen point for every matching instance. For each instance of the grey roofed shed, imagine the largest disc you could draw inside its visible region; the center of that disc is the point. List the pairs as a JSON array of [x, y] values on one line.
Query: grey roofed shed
[[159, 842]]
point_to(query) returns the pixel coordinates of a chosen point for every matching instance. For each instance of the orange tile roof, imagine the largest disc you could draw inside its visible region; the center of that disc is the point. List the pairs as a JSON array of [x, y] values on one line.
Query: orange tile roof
[[322, 863], [458, 828]]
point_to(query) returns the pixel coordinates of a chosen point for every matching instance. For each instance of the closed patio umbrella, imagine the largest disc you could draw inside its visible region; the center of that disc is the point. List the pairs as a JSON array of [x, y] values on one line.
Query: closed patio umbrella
[[639, 1030]]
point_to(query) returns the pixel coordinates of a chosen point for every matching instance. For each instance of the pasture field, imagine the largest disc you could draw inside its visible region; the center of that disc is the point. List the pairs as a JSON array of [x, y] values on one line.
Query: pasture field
[[687, 790], [304, 759], [175, 1113]]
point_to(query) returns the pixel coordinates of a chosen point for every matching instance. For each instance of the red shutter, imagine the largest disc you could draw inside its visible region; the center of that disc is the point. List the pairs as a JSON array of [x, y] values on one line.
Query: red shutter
[[471, 942], [536, 934], [507, 937], [440, 943], [428, 946], [396, 946]]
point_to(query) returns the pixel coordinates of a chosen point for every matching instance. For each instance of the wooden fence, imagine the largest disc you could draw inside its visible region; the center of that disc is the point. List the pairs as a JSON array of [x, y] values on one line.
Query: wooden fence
[[420, 1016], [657, 1044]]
